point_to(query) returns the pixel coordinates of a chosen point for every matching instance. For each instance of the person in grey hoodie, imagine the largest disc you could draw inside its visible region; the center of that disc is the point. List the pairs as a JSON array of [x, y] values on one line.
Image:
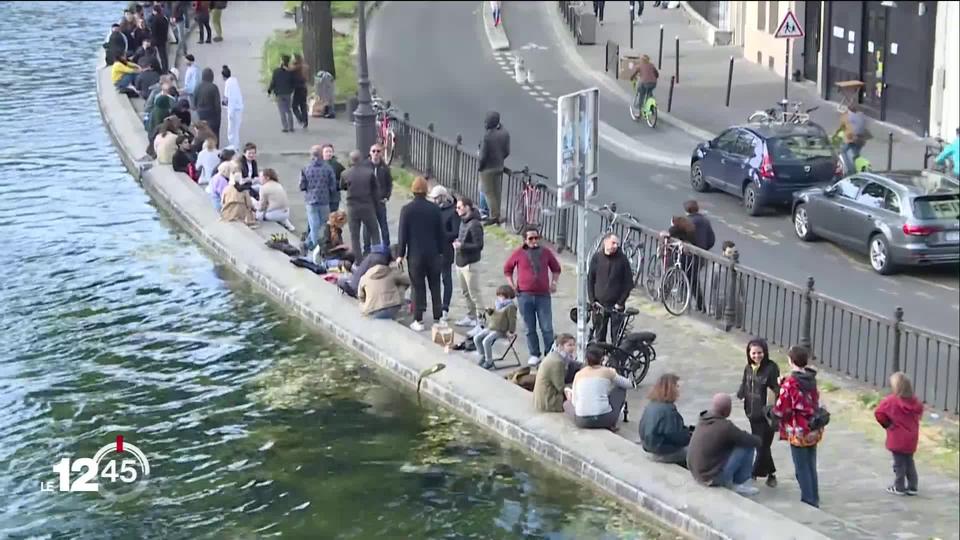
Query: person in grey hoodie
[[494, 151], [468, 246]]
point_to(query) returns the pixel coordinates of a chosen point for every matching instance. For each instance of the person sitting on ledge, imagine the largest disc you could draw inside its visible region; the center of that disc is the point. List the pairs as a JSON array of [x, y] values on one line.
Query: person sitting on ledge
[[557, 369], [598, 394], [348, 283], [382, 290], [219, 182], [331, 246], [183, 158], [274, 205], [720, 453], [165, 143], [662, 432], [123, 73], [236, 203]]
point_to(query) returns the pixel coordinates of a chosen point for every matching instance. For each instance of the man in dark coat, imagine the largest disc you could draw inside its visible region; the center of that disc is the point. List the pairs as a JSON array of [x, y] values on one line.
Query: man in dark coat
[[381, 171], [208, 104], [720, 453], [362, 197], [116, 44], [421, 241], [609, 282], [494, 150], [146, 54], [704, 239], [159, 31]]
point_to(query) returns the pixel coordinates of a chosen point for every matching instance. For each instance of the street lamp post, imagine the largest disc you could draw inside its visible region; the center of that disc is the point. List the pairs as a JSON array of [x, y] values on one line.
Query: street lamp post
[[363, 116]]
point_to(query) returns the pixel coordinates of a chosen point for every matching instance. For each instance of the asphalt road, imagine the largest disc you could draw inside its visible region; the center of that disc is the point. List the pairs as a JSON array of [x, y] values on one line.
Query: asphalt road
[[433, 61]]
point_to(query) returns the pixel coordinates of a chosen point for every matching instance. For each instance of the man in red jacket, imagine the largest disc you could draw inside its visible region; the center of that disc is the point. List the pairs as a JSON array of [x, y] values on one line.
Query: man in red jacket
[[537, 273]]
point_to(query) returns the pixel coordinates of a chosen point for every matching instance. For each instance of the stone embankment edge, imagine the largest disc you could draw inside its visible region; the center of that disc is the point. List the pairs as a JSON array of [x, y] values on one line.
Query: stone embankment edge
[[496, 35], [606, 461]]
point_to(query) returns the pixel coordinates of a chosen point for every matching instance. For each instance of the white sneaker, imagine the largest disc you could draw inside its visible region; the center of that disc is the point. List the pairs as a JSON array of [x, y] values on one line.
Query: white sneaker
[[745, 489], [288, 225], [445, 317], [533, 361], [474, 331], [466, 321], [417, 326]]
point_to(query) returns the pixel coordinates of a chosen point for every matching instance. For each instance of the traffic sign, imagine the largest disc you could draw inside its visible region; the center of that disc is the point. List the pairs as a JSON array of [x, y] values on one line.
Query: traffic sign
[[789, 27]]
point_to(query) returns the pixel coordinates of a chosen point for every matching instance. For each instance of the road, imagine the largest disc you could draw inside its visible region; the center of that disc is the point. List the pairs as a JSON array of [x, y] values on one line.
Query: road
[[433, 61]]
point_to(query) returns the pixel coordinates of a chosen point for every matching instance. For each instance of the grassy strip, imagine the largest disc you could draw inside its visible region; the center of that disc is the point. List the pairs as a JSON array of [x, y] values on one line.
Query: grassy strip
[[291, 41], [340, 9]]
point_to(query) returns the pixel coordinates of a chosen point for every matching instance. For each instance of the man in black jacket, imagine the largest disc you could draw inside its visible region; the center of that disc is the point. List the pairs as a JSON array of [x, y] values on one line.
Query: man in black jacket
[[494, 151], [720, 453], [468, 247], [207, 102], [281, 85], [146, 54], [362, 197], [704, 239], [381, 171], [421, 241], [160, 31], [116, 44], [609, 282]]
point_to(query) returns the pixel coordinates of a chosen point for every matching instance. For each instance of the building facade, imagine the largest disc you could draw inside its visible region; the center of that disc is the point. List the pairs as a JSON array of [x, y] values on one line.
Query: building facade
[[906, 54]]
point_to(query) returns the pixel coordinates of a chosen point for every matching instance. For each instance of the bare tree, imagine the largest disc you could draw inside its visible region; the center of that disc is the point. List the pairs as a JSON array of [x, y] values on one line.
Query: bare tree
[[318, 37]]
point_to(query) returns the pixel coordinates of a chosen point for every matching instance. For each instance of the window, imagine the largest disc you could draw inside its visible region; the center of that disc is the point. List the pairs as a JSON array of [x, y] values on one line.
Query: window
[[728, 141], [774, 16], [799, 147], [747, 145], [873, 195], [761, 16], [849, 187], [937, 207], [892, 201]]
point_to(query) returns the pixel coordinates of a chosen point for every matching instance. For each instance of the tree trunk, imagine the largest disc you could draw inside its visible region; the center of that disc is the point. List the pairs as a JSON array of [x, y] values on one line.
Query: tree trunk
[[318, 38]]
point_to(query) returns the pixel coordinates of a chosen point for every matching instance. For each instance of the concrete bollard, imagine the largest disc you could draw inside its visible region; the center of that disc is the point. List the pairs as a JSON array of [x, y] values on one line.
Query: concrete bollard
[[530, 76], [519, 71]]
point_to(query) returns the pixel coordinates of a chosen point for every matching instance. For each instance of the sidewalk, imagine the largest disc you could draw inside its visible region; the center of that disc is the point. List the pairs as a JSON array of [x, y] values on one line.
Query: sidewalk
[[699, 97], [852, 489]]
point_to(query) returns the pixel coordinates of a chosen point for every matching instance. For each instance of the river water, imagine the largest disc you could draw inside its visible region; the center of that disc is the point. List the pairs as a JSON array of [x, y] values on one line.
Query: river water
[[114, 323]]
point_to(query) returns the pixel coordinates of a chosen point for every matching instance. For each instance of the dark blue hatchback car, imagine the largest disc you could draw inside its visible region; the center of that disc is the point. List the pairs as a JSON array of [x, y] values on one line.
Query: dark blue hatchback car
[[765, 164]]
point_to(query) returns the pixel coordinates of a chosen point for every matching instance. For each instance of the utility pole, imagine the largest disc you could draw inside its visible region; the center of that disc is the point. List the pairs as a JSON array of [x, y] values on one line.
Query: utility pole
[[363, 117]]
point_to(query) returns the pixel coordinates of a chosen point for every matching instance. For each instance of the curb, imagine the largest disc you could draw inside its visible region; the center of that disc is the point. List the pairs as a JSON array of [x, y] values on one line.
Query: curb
[[596, 458], [496, 35]]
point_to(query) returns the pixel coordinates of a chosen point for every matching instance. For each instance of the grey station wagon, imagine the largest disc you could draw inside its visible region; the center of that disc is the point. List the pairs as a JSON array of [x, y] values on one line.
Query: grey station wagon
[[899, 218]]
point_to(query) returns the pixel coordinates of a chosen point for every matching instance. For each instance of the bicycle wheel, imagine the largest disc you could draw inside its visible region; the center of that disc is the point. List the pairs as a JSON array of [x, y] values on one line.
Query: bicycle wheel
[[635, 256], [634, 112], [675, 291], [651, 278], [519, 217], [651, 116], [639, 366], [389, 145], [758, 117]]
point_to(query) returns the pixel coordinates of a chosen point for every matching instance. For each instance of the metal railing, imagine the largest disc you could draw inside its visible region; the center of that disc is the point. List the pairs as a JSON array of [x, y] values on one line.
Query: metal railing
[[845, 339]]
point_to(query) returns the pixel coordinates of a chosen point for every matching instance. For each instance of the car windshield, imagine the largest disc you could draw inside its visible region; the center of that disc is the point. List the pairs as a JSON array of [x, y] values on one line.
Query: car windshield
[[799, 147], [937, 207]]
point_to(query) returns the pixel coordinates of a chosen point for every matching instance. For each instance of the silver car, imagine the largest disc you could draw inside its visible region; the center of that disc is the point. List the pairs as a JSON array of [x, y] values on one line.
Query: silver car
[[899, 218]]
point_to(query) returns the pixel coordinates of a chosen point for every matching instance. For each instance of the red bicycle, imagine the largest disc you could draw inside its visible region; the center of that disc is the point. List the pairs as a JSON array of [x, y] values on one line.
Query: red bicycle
[[529, 206], [386, 132]]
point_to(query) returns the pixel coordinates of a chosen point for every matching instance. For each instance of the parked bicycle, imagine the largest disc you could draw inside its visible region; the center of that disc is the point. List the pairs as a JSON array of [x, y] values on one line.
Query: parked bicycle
[[529, 207], [628, 244], [788, 113], [631, 353], [647, 110], [666, 279], [386, 116]]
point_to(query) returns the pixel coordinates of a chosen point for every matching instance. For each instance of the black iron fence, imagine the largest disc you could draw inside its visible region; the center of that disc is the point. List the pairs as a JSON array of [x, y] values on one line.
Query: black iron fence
[[865, 346]]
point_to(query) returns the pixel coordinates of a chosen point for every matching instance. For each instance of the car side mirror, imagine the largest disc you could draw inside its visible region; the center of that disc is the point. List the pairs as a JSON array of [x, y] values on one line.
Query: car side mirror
[[830, 191], [711, 143]]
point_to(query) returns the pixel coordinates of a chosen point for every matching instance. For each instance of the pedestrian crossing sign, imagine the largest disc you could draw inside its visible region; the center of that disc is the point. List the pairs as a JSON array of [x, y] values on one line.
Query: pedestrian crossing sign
[[789, 27]]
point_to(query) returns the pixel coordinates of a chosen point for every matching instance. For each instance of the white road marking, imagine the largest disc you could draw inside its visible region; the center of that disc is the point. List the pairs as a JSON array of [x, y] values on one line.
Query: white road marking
[[548, 105], [922, 294], [931, 283], [891, 293], [538, 87], [525, 87], [671, 187], [541, 99]]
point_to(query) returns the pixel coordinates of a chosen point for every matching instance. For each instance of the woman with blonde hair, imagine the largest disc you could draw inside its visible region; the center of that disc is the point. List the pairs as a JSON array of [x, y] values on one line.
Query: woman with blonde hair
[[331, 244], [662, 432], [208, 160], [236, 204], [900, 414]]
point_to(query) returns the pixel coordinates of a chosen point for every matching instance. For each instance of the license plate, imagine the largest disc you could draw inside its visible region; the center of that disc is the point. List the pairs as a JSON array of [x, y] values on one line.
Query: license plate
[[952, 236]]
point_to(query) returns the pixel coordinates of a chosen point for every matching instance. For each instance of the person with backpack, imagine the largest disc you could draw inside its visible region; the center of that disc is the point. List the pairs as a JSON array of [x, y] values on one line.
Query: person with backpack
[[899, 414], [802, 421], [760, 377]]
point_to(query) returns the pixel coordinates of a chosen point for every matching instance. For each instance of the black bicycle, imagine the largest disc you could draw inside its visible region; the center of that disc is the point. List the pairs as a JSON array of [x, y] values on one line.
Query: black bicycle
[[631, 352]]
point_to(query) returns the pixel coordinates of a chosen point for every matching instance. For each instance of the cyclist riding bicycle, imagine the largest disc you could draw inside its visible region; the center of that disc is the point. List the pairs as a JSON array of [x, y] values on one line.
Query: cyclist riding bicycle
[[648, 75], [952, 152], [855, 133]]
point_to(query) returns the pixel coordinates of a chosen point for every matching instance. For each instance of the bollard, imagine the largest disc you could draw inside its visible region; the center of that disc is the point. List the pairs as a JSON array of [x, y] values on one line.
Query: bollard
[[676, 66], [632, 17], [806, 315], [660, 53], [890, 151], [897, 321], [729, 80], [670, 95], [529, 76], [730, 302]]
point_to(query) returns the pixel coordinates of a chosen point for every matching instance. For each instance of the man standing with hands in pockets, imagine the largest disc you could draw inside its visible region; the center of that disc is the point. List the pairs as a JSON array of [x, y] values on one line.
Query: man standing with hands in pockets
[[537, 273]]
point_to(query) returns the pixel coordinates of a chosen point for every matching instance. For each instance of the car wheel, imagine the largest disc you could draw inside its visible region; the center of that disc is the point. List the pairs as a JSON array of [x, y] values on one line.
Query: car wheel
[[697, 181], [801, 223], [751, 201], [880, 259]]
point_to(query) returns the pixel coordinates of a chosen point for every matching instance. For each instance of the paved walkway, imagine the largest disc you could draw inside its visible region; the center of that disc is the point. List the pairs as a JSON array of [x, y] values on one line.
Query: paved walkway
[[854, 467], [699, 97]]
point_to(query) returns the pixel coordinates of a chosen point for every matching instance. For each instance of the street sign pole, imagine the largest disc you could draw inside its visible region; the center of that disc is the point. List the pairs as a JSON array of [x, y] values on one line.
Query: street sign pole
[[786, 69], [789, 29], [582, 308]]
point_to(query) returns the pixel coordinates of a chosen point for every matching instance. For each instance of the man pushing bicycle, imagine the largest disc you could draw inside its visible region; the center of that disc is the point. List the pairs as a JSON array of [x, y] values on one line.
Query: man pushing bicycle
[[609, 282]]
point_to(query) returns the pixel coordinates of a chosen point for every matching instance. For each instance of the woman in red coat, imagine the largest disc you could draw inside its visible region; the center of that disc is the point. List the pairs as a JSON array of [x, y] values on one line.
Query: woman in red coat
[[900, 413]]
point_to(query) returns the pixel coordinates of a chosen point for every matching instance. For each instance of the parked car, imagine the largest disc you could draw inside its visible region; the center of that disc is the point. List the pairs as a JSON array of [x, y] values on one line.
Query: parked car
[[902, 218], [765, 164]]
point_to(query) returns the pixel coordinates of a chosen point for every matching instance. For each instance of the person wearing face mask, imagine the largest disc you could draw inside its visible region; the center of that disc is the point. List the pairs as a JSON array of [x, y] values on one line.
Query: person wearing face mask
[[554, 373], [758, 384]]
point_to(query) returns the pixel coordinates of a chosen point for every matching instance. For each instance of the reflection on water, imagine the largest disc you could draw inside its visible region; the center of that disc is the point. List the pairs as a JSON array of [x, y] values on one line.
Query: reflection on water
[[114, 324]]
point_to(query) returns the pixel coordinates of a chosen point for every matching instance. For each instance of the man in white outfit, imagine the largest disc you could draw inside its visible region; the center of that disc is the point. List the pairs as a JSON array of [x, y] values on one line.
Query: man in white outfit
[[233, 101]]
